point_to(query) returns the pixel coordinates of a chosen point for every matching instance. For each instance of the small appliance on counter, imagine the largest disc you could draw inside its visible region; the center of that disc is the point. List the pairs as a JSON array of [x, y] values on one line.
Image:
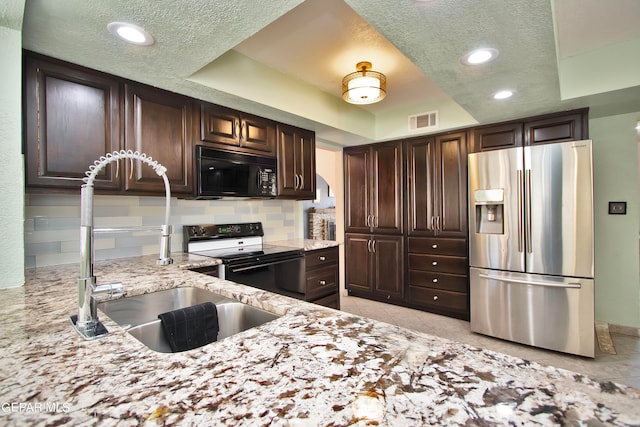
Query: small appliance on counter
[[531, 245], [246, 259]]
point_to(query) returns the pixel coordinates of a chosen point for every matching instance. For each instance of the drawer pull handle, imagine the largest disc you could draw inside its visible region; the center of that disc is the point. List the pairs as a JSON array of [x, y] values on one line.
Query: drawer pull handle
[[435, 280], [434, 246], [322, 282], [435, 297], [322, 258], [434, 263]]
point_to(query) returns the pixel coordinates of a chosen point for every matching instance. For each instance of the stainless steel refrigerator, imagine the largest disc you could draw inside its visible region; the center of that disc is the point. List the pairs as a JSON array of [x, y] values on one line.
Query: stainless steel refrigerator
[[531, 245]]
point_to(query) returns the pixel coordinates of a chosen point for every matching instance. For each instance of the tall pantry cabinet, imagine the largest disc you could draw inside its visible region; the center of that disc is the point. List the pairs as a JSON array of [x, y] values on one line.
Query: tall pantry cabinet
[[406, 222], [436, 199], [374, 246]]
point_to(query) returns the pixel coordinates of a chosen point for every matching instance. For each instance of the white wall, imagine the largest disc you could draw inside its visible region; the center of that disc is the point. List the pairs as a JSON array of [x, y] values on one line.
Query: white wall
[[11, 160], [617, 273]]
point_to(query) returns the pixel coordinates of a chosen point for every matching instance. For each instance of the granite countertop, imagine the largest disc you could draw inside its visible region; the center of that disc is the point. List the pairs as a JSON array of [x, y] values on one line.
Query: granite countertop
[[312, 366], [306, 244]]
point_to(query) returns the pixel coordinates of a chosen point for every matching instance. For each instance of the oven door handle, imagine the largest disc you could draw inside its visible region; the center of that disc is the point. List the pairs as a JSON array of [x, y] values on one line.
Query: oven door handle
[[256, 266]]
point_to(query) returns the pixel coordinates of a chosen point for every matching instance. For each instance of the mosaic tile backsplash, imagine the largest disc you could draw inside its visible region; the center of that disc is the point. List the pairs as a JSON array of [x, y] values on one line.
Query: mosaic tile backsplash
[[52, 223]]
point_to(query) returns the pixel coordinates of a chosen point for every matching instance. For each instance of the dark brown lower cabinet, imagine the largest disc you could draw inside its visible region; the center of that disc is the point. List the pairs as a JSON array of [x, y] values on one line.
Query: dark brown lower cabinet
[[374, 266], [438, 276], [322, 273]]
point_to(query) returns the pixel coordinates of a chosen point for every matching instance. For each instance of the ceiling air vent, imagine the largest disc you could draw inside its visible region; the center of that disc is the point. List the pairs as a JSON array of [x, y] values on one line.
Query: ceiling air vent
[[423, 120]]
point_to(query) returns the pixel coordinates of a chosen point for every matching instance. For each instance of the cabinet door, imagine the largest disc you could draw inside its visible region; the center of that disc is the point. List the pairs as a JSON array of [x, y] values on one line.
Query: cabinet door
[[296, 163], [159, 124], [572, 126], [388, 266], [258, 134], [307, 165], [356, 187], [219, 125], [358, 262], [386, 188], [421, 186], [230, 129], [71, 119], [495, 137], [452, 185]]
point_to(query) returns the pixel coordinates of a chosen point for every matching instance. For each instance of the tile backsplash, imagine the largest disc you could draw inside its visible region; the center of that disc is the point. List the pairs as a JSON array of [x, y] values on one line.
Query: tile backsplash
[[52, 223]]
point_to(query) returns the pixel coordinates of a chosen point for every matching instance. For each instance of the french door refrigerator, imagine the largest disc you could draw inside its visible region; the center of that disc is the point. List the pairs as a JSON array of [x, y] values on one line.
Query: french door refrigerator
[[531, 245]]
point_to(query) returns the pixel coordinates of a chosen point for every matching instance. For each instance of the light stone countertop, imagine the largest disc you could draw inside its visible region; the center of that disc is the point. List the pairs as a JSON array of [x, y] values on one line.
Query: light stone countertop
[[312, 366], [306, 244]]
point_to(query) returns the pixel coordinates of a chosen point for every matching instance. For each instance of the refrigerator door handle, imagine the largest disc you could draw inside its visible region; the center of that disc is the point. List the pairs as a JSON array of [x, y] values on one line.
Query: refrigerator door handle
[[520, 210], [532, 282], [527, 235]]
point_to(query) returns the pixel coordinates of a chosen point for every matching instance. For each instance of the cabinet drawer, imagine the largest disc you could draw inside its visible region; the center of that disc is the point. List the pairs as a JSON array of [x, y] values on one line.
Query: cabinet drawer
[[440, 300], [321, 257], [321, 282], [443, 281], [435, 263], [435, 246]]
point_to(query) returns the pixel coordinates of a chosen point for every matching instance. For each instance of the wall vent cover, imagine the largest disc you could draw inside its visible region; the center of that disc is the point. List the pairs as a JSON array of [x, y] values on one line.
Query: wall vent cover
[[423, 120]]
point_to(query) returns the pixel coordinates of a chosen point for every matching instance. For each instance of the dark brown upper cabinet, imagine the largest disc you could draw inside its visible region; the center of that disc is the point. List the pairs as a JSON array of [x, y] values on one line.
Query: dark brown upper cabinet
[[373, 181], [437, 185], [572, 126], [236, 131], [71, 118], [159, 124], [296, 163], [551, 128], [496, 137]]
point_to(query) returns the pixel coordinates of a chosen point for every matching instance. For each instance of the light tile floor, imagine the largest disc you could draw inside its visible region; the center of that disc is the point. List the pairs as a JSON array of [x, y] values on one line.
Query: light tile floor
[[624, 367]]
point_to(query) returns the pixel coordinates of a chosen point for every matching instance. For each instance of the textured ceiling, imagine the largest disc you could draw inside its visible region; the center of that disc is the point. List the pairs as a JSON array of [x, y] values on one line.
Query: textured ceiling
[[284, 60]]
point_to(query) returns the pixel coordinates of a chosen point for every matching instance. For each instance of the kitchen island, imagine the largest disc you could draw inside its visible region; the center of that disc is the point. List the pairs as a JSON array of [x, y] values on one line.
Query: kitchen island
[[312, 366]]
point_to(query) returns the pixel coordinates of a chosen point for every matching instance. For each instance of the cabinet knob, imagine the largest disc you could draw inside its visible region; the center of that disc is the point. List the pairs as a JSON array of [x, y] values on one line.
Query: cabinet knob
[[435, 297], [434, 263], [434, 246], [435, 280], [322, 282], [322, 258]]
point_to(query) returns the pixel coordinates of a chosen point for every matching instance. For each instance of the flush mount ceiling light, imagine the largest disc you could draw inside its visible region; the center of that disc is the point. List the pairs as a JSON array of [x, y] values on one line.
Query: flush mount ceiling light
[[479, 56], [131, 33], [364, 86]]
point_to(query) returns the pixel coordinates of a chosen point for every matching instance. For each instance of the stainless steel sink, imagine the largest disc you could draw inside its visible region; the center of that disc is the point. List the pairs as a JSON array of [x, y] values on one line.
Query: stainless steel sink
[[139, 314]]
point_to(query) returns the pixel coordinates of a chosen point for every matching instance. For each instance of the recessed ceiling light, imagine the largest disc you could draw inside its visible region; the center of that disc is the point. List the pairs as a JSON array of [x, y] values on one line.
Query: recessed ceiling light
[[503, 94], [479, 56], [131, 33]]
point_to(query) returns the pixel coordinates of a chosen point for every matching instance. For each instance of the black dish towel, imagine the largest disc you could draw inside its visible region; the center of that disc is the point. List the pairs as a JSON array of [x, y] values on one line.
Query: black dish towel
[[190, 327]]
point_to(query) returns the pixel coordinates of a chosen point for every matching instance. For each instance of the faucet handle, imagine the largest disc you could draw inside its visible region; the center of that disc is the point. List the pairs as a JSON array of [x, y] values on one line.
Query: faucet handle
[[108, 291]]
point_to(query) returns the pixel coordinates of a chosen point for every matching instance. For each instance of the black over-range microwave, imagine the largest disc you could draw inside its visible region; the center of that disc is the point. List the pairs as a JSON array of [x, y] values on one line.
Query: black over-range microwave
[[226, 174]]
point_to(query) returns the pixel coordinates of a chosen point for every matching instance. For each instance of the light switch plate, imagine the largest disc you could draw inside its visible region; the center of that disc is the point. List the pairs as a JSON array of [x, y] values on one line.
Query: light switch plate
[[617, 208]]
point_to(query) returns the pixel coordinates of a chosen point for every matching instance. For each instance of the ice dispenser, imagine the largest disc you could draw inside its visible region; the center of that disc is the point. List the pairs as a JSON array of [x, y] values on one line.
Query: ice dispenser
[[489, 206]]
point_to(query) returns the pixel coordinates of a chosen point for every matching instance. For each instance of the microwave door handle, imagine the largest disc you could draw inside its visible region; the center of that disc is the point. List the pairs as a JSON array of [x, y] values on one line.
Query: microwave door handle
[[259, 179]]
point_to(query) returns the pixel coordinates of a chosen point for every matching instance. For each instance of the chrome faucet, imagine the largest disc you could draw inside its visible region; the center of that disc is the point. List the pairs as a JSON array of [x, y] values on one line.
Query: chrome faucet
[[90, 293]]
